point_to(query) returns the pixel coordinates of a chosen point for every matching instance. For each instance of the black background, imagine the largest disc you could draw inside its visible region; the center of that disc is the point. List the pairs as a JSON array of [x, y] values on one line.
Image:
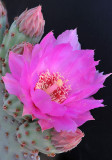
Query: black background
[[93, 19]]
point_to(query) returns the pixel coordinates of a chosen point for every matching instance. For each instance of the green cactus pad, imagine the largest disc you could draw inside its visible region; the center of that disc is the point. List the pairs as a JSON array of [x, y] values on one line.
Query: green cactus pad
[[10, 149], [3, 26], [14, 107], [32, 137]]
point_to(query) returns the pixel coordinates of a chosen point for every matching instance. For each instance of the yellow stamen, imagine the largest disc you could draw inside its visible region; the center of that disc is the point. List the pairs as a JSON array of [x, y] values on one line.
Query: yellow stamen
[[59, 82]]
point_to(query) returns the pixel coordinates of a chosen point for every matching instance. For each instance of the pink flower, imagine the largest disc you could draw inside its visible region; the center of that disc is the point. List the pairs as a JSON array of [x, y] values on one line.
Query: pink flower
[[55, 81]]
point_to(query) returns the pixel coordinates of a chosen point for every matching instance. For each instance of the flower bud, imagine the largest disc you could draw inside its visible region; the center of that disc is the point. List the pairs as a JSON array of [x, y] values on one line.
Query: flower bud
[[31, 22], [3, 21], [65, 141], [19, 49], [3, 11]]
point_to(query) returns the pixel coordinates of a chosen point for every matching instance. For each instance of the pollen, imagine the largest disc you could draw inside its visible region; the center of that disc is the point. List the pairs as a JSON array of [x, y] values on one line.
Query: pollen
[[53, 84], [59, 82]]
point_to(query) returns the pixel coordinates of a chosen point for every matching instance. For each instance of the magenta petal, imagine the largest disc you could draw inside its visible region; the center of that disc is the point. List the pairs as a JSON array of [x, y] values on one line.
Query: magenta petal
[[49, 38], [38, 114], [59, 123], [25, 78], [69, 36], [83, 78], [45, 124], [35, 58], [64, 124], [60, 58], [40, 61], [36, 50], [12, 85], [91, 88], [34, 80], [16, 64], [81, 70], [82, 118], [29, 107], [44, 103], [36, 55], [41, 100], [84, 105], [39, 50], [25, 111]]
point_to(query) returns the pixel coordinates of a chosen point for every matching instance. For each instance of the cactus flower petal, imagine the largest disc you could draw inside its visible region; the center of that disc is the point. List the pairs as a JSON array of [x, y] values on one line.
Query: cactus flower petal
[[82, 118], [55, 81], [69, 36], [83, 105], [46, 101], [16, 65], [12, 85]]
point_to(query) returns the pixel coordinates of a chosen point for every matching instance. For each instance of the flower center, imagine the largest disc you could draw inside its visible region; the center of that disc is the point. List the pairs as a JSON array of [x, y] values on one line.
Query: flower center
[[54, 85]]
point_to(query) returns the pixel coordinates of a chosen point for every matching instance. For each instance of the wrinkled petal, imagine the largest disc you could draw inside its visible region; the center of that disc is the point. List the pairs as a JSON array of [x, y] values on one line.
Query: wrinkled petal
[[25, 111], [15, 64], [69, 36], [58, 60], [12, 85], [25, 78], [90, 89], [84, 105], [82, 118], [38, 114], [48, 39], [59, 123], [37, 51], [64, 124], [45, 124], [41, 50], [81, 70], [44, 103]]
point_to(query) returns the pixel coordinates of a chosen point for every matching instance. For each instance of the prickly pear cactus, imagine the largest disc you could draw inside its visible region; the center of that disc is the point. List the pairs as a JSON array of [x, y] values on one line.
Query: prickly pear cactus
[[21, 137], [49, 142], [31, 136], [10, 107], [14, 107], [10, 149]]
